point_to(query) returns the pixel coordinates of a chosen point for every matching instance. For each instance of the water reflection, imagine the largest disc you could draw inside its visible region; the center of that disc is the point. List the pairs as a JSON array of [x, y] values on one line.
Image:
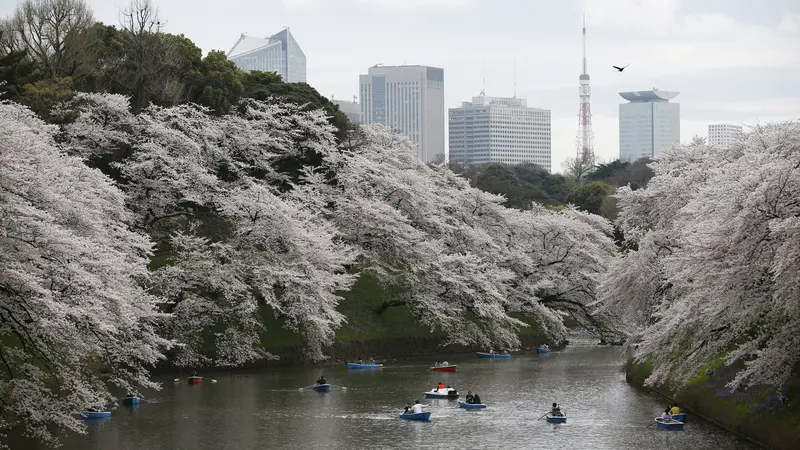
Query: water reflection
[[266, 410]]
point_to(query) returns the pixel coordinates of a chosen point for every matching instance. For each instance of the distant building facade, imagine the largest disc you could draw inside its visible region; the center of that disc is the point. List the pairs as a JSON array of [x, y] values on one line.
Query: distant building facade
[[648, 123], [278, 53], [350, 109], [499, 129], [723, 135], [410, 99]]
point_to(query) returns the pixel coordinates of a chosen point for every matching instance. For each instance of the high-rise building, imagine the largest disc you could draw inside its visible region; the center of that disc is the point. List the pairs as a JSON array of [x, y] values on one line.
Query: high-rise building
[[410, 99], [278, 53], [499, 129], [648, 123], [723, 135], [350, 109]]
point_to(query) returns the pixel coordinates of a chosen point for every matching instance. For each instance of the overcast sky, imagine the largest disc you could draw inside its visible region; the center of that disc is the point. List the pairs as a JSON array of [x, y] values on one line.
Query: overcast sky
[[733, 61]]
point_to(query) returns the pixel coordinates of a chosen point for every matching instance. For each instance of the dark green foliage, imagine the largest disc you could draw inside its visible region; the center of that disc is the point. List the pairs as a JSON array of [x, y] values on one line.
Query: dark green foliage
[[618, 173], [589, 197], [521, 184], [218, 84], [16, 70]]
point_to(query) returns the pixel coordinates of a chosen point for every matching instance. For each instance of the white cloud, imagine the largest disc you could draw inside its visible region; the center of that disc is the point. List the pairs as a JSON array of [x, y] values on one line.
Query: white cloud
[[416, 4], [297, 4], [790, 25]]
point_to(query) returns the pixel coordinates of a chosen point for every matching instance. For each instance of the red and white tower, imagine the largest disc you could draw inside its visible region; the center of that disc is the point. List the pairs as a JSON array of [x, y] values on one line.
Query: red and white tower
[[585, 140]]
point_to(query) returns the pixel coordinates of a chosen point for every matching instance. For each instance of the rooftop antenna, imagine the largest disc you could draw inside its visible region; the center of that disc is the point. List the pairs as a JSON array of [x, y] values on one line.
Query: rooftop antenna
[[355, 99], [515, 78], [483, 88]]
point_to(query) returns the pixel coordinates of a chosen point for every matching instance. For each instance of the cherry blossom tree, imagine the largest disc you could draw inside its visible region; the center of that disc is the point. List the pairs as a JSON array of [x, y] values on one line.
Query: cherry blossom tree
[[462, 262], [71, 274], [208, 190], [715, 272]]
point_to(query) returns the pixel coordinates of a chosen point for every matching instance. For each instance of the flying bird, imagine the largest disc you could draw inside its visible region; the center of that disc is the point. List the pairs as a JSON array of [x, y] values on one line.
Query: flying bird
[[621, 68]]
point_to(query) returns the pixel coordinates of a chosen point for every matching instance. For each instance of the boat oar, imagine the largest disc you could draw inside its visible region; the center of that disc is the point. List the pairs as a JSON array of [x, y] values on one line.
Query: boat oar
[[540, 418], [306, 387], [342, 387]]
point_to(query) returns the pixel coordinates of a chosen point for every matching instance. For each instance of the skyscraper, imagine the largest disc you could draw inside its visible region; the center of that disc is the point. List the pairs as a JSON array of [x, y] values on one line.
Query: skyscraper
[[278, 53], [351, 109], [723, 135], [648, 124], [410, 99], [499, 129]]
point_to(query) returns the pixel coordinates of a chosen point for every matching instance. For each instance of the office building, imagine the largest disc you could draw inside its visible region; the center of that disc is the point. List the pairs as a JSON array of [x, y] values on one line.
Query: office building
[[350, 109], [410, 99], [278, 53], [723, 135], [648, 124], [499, 129]]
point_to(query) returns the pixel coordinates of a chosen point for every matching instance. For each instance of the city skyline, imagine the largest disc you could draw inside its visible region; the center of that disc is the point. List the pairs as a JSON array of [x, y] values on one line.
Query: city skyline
[[733, 61]]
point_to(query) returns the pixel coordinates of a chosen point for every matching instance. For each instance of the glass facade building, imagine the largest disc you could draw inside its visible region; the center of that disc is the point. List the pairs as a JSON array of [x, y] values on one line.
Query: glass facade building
[[500, 129], [410, 99], [648, 124], [723, 135], [278, 53]]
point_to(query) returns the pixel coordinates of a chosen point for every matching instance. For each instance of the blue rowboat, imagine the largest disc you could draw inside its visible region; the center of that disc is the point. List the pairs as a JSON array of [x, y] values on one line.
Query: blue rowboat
[[322, 387], [493, 355], [356, 366], [471, 405], [556, 419], [674, 425], [130, 401], [543, 350], [679, 417], [96, 414], [422, 417]]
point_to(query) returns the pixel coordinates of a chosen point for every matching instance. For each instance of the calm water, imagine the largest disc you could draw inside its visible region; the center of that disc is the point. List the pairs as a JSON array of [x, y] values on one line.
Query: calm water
[[265, 410]]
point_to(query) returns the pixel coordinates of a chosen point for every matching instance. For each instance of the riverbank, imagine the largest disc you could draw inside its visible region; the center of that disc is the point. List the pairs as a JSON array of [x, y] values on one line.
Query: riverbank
[[761, 414]]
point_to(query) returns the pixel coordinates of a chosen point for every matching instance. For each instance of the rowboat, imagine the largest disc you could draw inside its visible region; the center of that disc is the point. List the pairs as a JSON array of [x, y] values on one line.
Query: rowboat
[[674, 425], [471, 405], [444, 369], [422, 417], [322, 387], [131, 401], [96, 414], [194, 379], [556, 419], [448, 393], [493, 355], [543, 350], [356, 366], [679, 417]]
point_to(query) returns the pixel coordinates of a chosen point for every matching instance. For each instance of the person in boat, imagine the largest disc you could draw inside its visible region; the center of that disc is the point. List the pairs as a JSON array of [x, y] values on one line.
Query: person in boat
[[322, 380], [436, 364], [407, 408], [556, 411], [130, 395], [451, 391], [469, 398], [372, 361], [491, 351], [440, 386], [476, 399], [674, 409], [445, 364], [417, 408], [666, 416]]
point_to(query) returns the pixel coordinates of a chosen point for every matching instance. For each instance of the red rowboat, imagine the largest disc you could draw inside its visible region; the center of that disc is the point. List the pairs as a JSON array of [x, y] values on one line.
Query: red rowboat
[[444, 369], [195, 380]]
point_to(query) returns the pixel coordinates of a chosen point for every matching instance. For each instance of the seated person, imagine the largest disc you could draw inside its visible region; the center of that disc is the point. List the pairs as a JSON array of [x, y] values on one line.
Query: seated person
[[469, 398], [407, 408], [476, 399], [556, 411], [321, 380], [666, 416], [445, 364], [674, 410], [417, 408], [440, 385]]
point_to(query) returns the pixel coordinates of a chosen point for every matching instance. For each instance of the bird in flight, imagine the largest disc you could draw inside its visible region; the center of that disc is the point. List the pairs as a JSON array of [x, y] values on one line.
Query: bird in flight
[[621, 68]]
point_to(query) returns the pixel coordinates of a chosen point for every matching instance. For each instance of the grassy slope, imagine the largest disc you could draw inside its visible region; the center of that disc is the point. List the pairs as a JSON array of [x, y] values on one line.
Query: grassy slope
[[777, 426]]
